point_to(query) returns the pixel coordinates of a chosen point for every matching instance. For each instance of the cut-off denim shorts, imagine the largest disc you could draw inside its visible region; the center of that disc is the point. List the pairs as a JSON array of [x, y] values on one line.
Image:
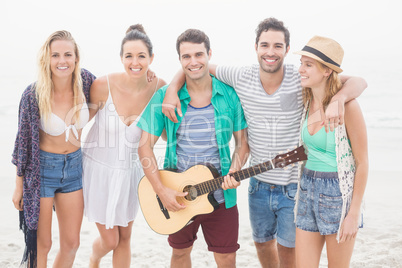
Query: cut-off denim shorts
[[60, 173], [320, 202]]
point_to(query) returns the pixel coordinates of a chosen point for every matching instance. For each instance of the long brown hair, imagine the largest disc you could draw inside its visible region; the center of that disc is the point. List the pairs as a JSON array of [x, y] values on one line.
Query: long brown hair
[[44, 85]]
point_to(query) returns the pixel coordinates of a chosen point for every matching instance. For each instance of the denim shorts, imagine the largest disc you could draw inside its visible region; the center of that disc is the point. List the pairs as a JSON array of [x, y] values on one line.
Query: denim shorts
[[60, 173], [320, 202], [271, 212]]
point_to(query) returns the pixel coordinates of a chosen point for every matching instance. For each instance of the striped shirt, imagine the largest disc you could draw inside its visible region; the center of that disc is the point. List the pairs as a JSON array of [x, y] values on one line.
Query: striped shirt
[[196, 141], [273, 120]]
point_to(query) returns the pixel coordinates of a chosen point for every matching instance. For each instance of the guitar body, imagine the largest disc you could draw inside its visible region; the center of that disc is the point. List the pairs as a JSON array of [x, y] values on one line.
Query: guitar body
[[200, 182], [151, 206]]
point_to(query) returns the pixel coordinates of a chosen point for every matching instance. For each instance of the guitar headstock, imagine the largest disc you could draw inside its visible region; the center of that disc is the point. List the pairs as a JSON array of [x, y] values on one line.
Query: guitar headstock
[[282, 160]]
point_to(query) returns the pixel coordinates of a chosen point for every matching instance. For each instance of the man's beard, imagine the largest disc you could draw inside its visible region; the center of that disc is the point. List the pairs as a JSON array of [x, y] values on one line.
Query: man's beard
[[272, 69]]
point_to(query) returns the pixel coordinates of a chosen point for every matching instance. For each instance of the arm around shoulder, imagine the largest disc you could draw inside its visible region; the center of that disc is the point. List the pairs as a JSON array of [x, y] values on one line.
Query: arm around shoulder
[[212, 69], [171, 101], [352, 88]]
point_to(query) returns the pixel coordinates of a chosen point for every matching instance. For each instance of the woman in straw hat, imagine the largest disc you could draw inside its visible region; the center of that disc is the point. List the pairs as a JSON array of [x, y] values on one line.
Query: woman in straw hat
[[330, 194]]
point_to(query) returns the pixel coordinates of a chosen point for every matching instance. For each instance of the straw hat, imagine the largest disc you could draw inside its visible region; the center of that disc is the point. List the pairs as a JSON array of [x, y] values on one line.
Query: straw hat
[[325, 50]]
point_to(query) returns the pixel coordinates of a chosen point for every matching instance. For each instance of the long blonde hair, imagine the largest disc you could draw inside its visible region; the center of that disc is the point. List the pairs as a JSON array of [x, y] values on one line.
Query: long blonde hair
[[332, 86], [44, 85]]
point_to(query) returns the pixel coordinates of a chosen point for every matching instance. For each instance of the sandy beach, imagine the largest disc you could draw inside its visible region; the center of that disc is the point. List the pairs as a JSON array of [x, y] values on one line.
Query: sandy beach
[[379, 243]]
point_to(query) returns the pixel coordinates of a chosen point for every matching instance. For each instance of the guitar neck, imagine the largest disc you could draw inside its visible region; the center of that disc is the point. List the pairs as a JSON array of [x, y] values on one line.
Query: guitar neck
[[214, 184], [280, 161]]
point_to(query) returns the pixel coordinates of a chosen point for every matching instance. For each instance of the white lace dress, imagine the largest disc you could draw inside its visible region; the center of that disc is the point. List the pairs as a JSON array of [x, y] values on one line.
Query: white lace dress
[[111, 169]]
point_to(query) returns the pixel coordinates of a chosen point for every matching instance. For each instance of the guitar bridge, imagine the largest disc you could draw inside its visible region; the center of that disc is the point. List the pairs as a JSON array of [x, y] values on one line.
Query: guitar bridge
[[163, 209]]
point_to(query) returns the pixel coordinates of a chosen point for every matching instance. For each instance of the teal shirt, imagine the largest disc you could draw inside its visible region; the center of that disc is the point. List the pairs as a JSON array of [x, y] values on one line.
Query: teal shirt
[[229, 118], [321, 149]]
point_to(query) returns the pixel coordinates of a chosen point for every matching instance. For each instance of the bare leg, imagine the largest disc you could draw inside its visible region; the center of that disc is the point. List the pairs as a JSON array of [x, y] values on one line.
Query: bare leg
[[44, 233], [181, 258], [69, 210], [287, 257], [339, 255], [308, 248], [227, 260], [268, 254], [108, 241], [122, 253]]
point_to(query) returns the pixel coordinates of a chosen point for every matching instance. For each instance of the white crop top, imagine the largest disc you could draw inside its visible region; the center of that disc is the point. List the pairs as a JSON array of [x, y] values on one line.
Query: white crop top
[[55, 126]]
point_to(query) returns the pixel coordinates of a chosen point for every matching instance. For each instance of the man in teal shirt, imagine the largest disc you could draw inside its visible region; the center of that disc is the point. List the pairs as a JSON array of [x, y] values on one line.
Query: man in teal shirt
[[212, 113]]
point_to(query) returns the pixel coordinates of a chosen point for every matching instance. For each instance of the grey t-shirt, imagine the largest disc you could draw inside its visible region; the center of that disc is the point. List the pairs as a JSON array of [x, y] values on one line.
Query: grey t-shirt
[[273, 120]]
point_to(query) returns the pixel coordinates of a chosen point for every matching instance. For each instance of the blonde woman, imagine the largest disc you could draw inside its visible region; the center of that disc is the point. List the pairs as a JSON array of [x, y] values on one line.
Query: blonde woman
[[112, 168], [335, 175], [47, 152]]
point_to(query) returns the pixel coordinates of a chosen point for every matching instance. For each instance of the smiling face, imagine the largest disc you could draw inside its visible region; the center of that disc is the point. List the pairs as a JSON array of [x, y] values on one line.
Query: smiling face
[[194, 60], [62, 58], [136, 58], [312, 73], [271, 51]]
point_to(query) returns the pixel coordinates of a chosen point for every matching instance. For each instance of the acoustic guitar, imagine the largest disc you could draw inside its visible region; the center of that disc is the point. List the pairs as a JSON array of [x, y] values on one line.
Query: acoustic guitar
[[200, 181]]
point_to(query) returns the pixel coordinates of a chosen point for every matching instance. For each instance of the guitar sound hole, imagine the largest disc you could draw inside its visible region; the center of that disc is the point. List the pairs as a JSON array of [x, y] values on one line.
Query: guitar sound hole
[[192, 192]]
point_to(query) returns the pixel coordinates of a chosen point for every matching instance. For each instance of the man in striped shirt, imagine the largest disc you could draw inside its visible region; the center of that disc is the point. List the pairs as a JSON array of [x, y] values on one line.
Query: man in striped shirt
[[271, 96], [212, 113]]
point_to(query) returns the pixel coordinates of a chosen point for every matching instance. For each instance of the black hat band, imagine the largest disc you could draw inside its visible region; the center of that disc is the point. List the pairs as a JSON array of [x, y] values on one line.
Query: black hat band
[[320, 55]]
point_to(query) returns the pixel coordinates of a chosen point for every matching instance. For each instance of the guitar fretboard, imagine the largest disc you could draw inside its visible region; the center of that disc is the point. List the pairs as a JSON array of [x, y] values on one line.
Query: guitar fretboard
[[214, 184]]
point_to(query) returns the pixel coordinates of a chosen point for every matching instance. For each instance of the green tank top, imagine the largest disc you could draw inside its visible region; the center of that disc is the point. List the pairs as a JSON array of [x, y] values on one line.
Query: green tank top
[[321, 149]]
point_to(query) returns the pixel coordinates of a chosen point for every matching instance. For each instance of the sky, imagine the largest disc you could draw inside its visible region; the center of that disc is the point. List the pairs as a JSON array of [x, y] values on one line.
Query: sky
[[369, 31], [366, 29]]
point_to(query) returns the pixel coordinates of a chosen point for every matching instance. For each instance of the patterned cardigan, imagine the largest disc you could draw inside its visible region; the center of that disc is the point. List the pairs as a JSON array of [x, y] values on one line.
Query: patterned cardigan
[[26, 153]]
